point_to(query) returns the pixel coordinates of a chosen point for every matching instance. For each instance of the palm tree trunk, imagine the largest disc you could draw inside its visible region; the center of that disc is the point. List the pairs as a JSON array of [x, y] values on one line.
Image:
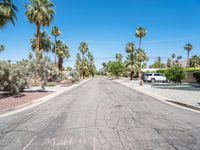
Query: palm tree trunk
[[38, 42], [83, 66], [37, 59], [131, 73], [55, 50], [60, 63], [140, 72], [188, 56], [140, 42], [140, 75]]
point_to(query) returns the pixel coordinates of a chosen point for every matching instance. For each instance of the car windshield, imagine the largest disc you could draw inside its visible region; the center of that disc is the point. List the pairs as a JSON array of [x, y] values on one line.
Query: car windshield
[[149, 74]]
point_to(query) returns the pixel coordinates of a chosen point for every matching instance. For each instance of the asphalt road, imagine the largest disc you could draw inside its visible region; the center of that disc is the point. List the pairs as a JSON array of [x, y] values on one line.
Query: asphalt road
[[101, 115]]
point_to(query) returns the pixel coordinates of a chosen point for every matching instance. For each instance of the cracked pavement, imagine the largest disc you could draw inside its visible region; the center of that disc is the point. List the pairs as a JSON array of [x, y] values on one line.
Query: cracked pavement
[[101, 115]]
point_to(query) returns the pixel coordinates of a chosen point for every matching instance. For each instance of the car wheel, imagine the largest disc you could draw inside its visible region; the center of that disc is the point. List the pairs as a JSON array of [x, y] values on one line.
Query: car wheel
[[153, 80]]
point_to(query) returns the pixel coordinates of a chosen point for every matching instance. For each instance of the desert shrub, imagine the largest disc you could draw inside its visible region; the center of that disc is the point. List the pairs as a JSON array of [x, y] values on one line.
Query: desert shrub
[[13, 77], [196, 75], [75, 76], [175, 73]]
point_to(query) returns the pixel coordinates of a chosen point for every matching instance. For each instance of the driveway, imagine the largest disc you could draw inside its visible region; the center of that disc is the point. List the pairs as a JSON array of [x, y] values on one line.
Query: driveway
[[101, 115]]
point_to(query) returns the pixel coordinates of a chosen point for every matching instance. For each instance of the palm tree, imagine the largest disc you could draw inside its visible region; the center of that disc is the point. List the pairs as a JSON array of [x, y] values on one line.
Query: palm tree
[[105, 68], [62, 52], [130, 49], [173, 57], [118, 57], [195, 61], [140, 33], [90, 58], [169, 62], [141, 57], [55, 32], [188, 47], [2, 48], [179, 59], [41, 13], [83, 48], [91, 65], [78, 63], [7, 12], [45, 42], [159, 59]]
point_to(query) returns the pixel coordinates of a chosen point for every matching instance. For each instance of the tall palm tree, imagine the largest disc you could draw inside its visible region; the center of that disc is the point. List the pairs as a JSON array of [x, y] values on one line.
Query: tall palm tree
[[62, 52], [7, 12], [78, 63], [179, 60], [41, 13], [83, 48], [173, 57], [2, 48], [140, 33], [141, 57], [45, 42], [91, 65], [130, 50], [118, 57], [90, 58], [55, 32], [188, 47]]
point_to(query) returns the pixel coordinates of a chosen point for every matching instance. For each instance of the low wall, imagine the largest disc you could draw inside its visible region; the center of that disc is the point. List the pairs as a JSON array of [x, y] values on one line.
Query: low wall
[[189, 76]]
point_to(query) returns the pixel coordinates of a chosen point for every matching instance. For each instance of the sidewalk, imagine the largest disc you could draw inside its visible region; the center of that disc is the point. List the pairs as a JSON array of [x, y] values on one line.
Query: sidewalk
[[191, 98]]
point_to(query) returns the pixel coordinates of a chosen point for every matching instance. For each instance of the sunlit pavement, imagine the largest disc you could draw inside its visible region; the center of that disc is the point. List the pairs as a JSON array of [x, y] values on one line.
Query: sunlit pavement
[[101, 114], [183, 96]]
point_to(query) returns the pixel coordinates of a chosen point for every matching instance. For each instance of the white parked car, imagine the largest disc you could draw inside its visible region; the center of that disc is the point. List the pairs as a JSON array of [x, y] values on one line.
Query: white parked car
[[153, 77]]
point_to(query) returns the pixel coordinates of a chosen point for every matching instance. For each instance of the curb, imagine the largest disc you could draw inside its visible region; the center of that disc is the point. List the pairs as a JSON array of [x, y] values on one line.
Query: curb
[[34, 103], [163, 99]]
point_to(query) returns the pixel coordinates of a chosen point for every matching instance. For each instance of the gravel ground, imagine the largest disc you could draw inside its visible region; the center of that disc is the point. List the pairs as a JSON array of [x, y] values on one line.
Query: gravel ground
[[22, 98], [29, 95], [182, 96]]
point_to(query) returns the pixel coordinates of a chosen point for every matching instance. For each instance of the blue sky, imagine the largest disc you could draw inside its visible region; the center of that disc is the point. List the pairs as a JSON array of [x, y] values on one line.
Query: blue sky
[[107, 25]]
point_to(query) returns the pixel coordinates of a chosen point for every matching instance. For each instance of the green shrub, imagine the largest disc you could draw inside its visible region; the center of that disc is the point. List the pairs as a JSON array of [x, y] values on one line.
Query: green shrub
[[116, 69], [161, 71], [175, 73], [192, 69], [196, 75]]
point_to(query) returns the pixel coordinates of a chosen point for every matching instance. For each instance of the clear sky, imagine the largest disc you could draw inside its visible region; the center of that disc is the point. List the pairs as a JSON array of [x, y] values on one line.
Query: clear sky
[[107, 25]]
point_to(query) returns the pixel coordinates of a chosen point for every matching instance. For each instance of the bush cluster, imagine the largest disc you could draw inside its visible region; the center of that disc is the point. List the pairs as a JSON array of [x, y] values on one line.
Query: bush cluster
[[14, 78], [175, 73], [74, 76], [116, 68]]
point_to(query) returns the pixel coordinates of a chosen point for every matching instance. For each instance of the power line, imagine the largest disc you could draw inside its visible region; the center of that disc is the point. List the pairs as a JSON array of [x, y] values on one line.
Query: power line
[[102, 58]]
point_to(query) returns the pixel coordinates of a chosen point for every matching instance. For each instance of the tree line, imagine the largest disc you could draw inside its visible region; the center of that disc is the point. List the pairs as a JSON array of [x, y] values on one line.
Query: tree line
[[38, 69], [135, 58], [41, 13]]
